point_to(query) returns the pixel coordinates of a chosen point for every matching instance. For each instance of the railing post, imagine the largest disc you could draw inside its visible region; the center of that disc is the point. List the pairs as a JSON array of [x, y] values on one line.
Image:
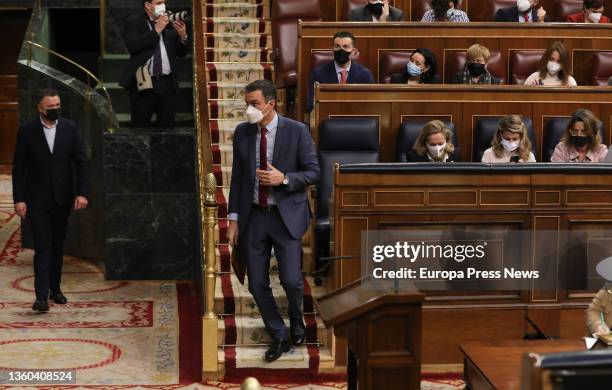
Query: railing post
[[209, 322]]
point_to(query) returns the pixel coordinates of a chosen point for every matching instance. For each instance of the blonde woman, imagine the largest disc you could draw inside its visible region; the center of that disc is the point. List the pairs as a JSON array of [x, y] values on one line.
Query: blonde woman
[[511, 143], [475, 70], [433, 144], [582, 140]]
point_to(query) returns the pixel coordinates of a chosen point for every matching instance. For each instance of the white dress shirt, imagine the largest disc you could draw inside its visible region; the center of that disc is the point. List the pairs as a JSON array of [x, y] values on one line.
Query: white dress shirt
[[49, 133], [164, 56], [339, 70]]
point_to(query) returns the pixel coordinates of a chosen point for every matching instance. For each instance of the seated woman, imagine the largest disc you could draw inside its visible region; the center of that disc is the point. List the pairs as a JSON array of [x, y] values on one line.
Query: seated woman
[[511, 143], [421, 69], [475, 70], [553, 69], [444, 11], [599, 313], [582, 140], [434, 144]]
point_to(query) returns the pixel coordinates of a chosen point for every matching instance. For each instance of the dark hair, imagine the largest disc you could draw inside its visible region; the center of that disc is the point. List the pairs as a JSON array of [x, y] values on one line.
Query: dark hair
[[591, 127], [564, 73], [344, 34], [440, 7], [47, 92], [592, 4], [267, 88], [430, 60]]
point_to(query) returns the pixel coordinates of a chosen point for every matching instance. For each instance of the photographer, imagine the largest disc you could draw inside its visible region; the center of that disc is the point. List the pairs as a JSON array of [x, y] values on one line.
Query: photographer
[[154, 44]]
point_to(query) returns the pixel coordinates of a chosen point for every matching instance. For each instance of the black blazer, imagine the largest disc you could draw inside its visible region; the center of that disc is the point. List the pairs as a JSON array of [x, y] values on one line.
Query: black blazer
[[140, 41], [458, 78], [294, 154], [412, 156], [402, 78], [42, 179], [363, 14], [326, 74], [511, 14]]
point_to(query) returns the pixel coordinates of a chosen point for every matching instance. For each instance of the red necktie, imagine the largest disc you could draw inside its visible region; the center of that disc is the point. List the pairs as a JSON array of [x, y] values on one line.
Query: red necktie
[[526, 16], [263, 164], [343, 76]]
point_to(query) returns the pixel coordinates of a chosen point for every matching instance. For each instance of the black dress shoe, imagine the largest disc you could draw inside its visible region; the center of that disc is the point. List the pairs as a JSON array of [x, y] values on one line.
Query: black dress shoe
[[40, 305], [58, 298], [298, 333], [276, 350]]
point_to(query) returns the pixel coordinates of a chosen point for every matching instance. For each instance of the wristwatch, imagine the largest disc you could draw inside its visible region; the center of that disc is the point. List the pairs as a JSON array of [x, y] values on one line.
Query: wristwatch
[[286, 180]]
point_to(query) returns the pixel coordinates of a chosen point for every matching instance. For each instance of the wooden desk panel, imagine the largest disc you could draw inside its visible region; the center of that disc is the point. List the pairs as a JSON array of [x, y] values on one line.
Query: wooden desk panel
[[497, 364], [463, 105], [374, 38]]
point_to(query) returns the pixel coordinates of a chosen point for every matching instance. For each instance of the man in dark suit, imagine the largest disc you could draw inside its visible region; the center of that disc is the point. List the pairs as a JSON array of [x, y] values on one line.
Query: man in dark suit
[[376, 11], [43, 190], [341, 70], [525, 11], [274, 163], [150, 40]]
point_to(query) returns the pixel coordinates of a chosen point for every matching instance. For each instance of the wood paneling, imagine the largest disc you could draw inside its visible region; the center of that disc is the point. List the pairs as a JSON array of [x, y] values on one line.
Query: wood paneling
[[485, 198], [9, 118], [373, 38], [465, 104]]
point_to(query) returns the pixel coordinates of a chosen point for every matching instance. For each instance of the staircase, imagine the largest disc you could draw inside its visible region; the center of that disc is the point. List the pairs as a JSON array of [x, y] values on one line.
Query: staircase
[[238, 43]]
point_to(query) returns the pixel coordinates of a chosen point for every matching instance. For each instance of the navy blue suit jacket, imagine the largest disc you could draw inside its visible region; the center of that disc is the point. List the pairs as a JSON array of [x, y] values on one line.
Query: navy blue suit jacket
[[326, 74], [294, 154], [511, 14], [42, 179]]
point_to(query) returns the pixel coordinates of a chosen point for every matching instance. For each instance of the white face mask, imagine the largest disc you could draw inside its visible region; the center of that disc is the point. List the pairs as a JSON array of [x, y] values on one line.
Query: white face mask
[[160, 9], [510, 146], [253, 114], [595, 16], [553, 67], [436, 151], [523, 5]]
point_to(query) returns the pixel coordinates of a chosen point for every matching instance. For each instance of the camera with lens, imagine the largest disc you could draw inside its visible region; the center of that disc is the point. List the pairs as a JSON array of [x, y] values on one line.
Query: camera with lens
[[182, 16]]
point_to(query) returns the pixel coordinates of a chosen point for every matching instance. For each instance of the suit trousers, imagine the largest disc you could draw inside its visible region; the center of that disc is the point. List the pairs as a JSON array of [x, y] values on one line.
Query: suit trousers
[[161, 100], [266, 230], [48, 230]]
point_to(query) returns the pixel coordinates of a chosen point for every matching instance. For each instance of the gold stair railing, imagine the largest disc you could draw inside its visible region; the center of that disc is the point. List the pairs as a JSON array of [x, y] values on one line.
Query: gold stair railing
[[89, 76]]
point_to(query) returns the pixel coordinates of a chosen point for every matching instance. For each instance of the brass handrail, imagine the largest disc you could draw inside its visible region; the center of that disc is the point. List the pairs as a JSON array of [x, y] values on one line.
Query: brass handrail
[[89, 74]]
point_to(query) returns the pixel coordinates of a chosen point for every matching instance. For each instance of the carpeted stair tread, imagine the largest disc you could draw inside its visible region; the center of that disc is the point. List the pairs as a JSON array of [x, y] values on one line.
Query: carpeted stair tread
[[296, 358], [236, 10], [238, 41], [224, 25], [233, 55], [237, 72], [243, 300], [226, 91], [245, 330]]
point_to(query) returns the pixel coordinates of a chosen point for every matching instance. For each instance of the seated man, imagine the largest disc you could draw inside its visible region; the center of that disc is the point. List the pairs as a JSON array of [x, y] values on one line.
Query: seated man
[[376, 11], [525, 11], [592, 12], [341, 70]]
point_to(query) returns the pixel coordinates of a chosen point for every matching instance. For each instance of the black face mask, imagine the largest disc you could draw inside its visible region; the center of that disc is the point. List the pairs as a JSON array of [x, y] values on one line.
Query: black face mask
[[581, 140], [341, 56], [52, 114], [475, 69], [375, 8]]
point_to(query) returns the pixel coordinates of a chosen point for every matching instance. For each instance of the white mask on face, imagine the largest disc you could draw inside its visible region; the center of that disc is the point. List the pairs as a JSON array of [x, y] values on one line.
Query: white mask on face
[[253, 114], [595, 16], [553, 67], [523, 5], [510, 146], [436, 151], [160, 9]]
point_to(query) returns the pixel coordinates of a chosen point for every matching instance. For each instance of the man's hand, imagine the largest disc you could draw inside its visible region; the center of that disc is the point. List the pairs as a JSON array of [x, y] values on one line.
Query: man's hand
[[232, 232], [602, 330], [271, 178], [80, 202], [541, 14], [181, 29], [161, 23], [385, 13], [21, 209]]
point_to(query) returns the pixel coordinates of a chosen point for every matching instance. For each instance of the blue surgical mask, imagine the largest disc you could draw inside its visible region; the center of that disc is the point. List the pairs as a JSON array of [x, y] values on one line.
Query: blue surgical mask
[[413, 69]]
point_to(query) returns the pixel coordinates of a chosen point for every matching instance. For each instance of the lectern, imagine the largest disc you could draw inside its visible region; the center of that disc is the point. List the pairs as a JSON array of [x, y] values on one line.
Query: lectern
[[383, 330]]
